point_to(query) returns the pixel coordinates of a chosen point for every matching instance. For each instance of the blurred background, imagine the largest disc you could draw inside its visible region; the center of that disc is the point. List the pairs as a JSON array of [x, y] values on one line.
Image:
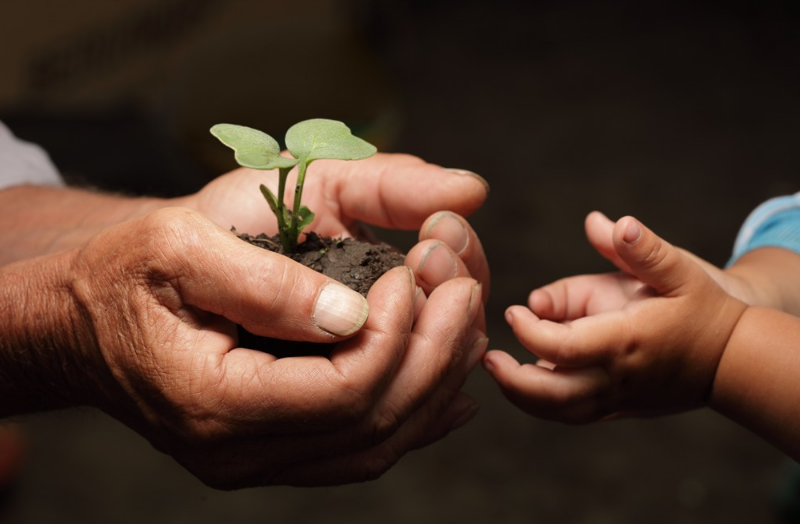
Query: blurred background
[[683, 113]]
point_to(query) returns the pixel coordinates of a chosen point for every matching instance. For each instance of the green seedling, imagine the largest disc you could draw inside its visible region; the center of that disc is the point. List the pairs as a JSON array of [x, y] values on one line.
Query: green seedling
[[307, 141]]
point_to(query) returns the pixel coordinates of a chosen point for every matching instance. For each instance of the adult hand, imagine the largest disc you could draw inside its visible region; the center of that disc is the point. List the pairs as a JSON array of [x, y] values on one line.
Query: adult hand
[[394, 191], [151, 312]]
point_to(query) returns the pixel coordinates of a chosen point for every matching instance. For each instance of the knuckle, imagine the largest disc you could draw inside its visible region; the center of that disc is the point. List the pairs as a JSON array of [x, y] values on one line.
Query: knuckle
[[654, 255]]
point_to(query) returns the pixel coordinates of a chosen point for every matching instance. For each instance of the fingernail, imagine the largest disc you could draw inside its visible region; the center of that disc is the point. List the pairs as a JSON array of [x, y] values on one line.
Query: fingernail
[[632, 232], [509, 316], [340, 310], [419, 301], [475, 298], [437, 265], [476, 176], [447, 227], [488, 365], [477, 350]]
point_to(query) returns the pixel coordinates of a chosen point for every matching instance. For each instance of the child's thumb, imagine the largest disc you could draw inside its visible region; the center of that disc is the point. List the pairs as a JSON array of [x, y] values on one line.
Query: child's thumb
[[652, 259]]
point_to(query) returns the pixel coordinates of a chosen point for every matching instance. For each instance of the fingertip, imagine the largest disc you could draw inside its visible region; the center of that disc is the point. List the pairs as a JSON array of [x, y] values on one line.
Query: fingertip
[[631, 230], [447, 227], [484, 184], [509, 316], [596, 217], [456, 233], [434, 263], [493, 361]]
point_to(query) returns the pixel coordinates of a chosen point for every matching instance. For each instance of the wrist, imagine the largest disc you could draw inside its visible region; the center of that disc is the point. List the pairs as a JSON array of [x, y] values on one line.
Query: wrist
[[756, 383], [48, 359], [37, 220], [770, 276]]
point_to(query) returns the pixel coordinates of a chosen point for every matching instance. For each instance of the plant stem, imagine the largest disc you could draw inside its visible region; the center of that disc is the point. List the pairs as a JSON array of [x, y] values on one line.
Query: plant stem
[[298, 195], [288, 246]]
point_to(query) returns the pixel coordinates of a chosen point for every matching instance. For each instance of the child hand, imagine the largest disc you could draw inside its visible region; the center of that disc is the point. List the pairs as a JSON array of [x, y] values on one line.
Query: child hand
[[736, 281], [640, 343]]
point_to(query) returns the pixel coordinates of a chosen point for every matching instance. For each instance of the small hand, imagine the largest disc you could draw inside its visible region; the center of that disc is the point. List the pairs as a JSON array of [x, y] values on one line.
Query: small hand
[[642, 348], [599, 232]]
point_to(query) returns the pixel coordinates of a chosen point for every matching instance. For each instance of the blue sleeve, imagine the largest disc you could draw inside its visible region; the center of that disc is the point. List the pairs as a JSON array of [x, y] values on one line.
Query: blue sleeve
[[775, 223], [24, 163]]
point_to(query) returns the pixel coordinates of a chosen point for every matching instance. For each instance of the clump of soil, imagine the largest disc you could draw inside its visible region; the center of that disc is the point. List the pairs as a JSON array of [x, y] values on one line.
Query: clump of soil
[[355, 263]]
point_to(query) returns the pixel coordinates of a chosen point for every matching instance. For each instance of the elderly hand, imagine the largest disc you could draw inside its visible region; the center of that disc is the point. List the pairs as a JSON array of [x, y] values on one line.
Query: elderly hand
[[140, 322]]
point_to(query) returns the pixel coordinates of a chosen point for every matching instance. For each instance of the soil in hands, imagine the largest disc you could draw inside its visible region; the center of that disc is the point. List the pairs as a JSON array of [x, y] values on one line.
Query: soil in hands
[[354, 263]]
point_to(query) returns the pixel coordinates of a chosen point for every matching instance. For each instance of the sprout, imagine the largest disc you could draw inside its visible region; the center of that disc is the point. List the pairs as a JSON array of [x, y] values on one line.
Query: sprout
[[307, 141]]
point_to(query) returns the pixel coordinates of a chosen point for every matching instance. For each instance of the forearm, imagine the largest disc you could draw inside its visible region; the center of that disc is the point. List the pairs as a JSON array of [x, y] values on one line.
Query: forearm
[[44, 351], [772, 275], [757, 382], [36, 220]]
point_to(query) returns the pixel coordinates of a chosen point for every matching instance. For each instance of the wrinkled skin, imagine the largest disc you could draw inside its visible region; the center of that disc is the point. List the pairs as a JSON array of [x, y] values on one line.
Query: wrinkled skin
[[153, 303]]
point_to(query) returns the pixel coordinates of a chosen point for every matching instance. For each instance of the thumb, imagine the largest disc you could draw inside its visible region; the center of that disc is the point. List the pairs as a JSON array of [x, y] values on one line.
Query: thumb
[[266, 293], [600, 233], [652, 259]]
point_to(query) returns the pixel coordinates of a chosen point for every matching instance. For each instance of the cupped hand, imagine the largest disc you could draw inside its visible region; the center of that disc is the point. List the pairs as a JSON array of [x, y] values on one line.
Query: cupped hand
[[161, 296], [640, 344], [395, 191]]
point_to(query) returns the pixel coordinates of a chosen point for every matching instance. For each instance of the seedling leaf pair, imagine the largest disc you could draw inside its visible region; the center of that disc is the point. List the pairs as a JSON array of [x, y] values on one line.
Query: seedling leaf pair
[[307, 141]]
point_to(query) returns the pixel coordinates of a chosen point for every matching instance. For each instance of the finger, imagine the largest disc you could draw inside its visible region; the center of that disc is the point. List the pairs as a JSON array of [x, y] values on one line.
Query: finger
[[564, 299], [599, 231], [443, 341], [456, 232], [572, 395], [315, 393], [422, 403], [400, 191], [372, 463], [434, 263], [583, 295], [266, 293], [585, 342], [419, 302], [653, 260]]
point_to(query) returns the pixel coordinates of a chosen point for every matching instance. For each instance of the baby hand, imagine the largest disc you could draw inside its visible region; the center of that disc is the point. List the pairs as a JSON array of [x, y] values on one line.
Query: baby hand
[[643, 342]]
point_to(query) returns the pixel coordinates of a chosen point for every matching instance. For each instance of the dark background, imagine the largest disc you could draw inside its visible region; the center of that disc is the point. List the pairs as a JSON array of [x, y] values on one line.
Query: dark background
[[684, 114]]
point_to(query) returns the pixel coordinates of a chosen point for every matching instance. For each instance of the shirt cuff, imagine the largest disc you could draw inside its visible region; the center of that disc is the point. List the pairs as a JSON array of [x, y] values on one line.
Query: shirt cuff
[[24, 163]]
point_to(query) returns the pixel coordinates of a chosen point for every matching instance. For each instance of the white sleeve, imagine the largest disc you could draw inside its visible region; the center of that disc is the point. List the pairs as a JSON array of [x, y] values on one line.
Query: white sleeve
[[24, 163]]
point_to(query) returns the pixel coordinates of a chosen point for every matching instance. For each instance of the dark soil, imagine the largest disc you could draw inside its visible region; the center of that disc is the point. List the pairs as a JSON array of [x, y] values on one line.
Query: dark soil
[[355, 263]]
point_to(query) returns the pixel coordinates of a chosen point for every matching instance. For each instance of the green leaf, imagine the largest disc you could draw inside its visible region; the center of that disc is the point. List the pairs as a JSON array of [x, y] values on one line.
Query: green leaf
[[305, 217], [272, 200], [252, 147], [320, 138]]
